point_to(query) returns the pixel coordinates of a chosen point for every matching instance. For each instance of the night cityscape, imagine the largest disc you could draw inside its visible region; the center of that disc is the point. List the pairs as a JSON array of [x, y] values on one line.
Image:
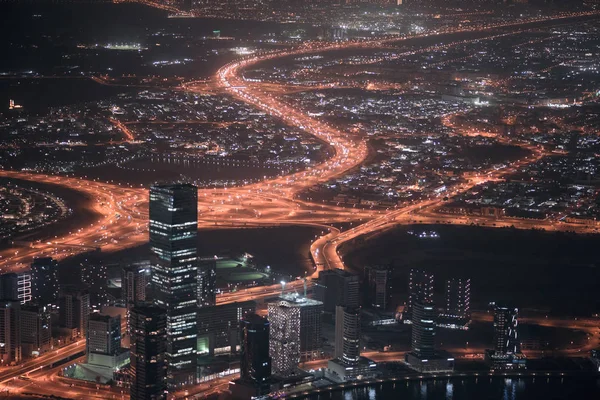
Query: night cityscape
[[300, 199]]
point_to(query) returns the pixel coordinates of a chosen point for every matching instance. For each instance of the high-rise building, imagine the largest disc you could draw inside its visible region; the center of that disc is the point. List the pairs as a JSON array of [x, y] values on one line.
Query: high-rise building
[[347, 334], [348, 363], [134, 283], [44, 280], [207, 282], [255, 362], [506, 354], [148, 348], [24, 287], [506, 339], [420, 289], [338, 287], [16, 286], [311, 318], [423, 356], [284, 343], [94, 274], [103, 334], [103, 344], [423, 331], [338, 349], [10, 332], [458, 298], [36, 330], [377, 290], [218, 327], [74, 309], [173, 241]]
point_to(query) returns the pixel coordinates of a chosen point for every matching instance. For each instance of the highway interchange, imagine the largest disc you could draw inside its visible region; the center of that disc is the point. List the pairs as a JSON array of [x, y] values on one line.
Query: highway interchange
[[122, 210]]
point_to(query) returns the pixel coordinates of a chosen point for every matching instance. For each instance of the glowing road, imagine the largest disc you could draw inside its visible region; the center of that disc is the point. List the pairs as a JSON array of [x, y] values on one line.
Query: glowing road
[[122, 210]]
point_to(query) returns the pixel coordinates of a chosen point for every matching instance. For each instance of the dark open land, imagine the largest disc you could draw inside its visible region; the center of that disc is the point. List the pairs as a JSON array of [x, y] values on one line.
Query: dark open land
[[557, 272], [202, 172], [284, 249]]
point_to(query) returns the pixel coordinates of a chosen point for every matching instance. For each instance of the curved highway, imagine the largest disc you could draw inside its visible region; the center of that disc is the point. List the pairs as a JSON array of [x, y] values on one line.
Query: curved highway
[[123, 210]]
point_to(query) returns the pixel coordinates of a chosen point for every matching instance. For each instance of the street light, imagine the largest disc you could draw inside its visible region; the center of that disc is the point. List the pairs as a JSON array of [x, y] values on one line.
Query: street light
[[282, 287]]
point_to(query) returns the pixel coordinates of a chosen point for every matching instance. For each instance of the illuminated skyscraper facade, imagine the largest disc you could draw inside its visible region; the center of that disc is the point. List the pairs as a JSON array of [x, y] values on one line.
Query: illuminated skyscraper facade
[[347, 334], [458, 298], [311, 314], [348, 364], [16, 287], [284, 342], [423, 331], [420, 289], [506, 338], [506, 354], [173, 241], [423, 356]]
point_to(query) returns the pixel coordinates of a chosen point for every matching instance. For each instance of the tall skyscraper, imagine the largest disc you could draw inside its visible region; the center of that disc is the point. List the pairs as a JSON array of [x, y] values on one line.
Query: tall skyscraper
[[377, 281], [506, 354], [347, 334], [74, 309], [173, 241], [506, 338], [207, 282], [255, 362], [338, 287], [10, 332], [423, 356], [134, 283], [348, 364], [103, 335], [44, 280], [36, 329], [458, 298], [420, 289], [423, 331], [147, 351], [284, 343], [311, 318]]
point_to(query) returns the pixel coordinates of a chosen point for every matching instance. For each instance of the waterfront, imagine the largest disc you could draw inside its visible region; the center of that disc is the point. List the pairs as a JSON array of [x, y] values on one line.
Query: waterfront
[[496, 388]]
